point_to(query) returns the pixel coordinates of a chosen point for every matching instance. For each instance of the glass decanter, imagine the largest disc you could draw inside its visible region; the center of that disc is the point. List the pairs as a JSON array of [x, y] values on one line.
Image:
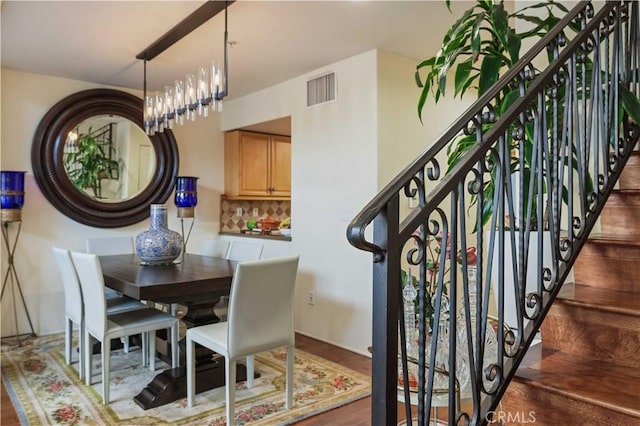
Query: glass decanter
[[442, 355], [490, 338], [409, 294]]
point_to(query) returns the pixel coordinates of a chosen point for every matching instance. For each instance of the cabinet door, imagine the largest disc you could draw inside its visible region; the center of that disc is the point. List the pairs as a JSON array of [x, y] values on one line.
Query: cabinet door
[[254, 160], [280, 166]]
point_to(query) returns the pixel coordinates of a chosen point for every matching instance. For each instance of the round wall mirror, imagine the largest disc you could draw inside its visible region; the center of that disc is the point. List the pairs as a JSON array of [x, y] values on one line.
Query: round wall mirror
[[93, 161]]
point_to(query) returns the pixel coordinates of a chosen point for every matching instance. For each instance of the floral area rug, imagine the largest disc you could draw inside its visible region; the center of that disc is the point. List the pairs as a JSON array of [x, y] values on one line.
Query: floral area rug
[[45, 390]]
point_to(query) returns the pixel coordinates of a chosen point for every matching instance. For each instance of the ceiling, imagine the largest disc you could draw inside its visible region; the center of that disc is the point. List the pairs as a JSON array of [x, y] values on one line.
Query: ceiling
[[273, 41]]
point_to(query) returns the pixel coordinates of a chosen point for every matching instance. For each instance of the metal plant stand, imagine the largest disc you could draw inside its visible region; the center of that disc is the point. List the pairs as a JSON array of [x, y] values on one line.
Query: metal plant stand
[[185, 237], [11, 277]]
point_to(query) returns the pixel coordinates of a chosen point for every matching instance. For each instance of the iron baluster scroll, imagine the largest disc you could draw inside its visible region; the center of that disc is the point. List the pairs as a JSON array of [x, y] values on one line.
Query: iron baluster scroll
[[534, 182]]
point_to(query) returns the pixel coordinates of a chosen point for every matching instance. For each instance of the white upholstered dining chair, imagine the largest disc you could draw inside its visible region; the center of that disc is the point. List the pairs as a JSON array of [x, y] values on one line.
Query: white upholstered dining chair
[[260, 319], [215, 247], [74, 306], [97, 324], [107, 246], [241, 251]]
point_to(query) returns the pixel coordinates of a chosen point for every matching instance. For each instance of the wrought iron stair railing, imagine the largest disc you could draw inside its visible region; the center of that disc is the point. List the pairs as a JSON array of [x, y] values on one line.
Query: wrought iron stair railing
[[548, 162]]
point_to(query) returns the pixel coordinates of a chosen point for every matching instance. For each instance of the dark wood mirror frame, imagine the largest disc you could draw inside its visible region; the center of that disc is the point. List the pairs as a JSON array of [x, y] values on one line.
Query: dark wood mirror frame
[[51, 177]]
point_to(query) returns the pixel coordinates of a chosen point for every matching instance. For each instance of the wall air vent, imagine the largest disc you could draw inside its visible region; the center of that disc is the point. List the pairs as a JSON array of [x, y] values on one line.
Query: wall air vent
[[321, 89]]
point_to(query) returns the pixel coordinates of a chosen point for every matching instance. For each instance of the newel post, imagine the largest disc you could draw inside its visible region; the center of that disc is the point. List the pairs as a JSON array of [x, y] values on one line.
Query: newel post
[[386, 299]]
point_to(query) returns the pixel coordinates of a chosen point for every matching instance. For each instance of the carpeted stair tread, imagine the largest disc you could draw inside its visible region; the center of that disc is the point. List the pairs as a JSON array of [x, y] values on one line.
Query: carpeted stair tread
[[602, 384]]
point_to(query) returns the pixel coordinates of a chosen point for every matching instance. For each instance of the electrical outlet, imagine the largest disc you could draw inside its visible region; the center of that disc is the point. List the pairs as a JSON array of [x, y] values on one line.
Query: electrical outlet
[[312, 298], [239, 211], [255, 212]]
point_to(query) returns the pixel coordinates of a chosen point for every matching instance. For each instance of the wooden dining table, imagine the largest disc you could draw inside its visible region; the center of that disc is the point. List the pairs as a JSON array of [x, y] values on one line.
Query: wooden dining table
[[195, 281]]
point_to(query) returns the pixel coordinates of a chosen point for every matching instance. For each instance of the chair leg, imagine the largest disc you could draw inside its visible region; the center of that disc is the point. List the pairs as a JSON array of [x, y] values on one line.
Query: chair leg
[[145, 348], [289, 373], [88, 353], [81, 351], [230, 380], [250, 369], [191, 372], [175, 359], [106, 360], [152, 350], [68, 333]]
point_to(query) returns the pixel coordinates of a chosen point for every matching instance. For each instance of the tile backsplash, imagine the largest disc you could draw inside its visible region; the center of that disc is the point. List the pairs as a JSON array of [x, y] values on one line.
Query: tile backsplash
[[231, 222]]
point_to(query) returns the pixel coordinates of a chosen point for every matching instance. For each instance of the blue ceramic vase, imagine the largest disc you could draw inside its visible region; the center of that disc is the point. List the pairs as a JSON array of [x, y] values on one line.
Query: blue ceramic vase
[[158, 245]]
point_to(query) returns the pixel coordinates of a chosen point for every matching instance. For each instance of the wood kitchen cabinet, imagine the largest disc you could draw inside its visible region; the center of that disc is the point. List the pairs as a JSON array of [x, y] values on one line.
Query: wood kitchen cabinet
[[257, 166]]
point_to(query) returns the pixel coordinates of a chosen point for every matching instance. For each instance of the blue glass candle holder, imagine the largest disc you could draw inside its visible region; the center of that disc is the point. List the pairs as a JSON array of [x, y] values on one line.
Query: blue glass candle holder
[[12, 195], [186, 197]]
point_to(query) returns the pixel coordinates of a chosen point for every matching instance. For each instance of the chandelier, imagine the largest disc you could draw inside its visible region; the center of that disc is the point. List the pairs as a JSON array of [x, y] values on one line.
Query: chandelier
[[197, 93]]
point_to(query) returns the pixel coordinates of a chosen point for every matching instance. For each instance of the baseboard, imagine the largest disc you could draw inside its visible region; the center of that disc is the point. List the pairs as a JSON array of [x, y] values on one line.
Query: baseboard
[[367, 354]]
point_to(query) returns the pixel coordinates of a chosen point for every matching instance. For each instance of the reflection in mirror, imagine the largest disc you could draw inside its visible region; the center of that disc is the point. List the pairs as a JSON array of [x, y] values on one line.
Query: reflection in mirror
[[109, 158], [139, 170]]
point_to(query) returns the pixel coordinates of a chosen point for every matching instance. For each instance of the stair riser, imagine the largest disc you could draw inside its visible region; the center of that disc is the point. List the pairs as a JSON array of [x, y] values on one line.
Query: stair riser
[[550, 408], [589, 372], [630, 177], [592, 333], [609, 266], [620, 214]]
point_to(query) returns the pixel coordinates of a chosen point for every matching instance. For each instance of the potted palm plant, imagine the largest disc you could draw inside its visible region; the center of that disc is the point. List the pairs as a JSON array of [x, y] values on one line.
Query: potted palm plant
[[477, 50], [88, 162], [480, 46]]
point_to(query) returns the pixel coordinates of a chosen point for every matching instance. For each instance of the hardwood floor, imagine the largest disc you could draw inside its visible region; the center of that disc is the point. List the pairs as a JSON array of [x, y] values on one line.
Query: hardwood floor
[[8, 416], [357, 413]]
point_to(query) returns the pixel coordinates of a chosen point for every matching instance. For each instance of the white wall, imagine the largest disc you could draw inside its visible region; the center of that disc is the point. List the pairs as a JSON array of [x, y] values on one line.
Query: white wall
[[342, 154], [333, 170], [401, 136]]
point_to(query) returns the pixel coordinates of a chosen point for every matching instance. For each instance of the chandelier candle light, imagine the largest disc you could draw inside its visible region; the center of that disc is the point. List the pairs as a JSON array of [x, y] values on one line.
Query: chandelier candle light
[[198, 92]]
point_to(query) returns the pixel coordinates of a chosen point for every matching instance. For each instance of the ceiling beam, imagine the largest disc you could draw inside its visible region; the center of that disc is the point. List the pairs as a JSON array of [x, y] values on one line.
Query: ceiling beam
[[194, 20]]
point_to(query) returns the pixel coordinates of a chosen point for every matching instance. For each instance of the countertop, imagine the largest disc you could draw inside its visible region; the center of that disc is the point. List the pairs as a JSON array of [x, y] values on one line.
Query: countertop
[[261, 236]]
